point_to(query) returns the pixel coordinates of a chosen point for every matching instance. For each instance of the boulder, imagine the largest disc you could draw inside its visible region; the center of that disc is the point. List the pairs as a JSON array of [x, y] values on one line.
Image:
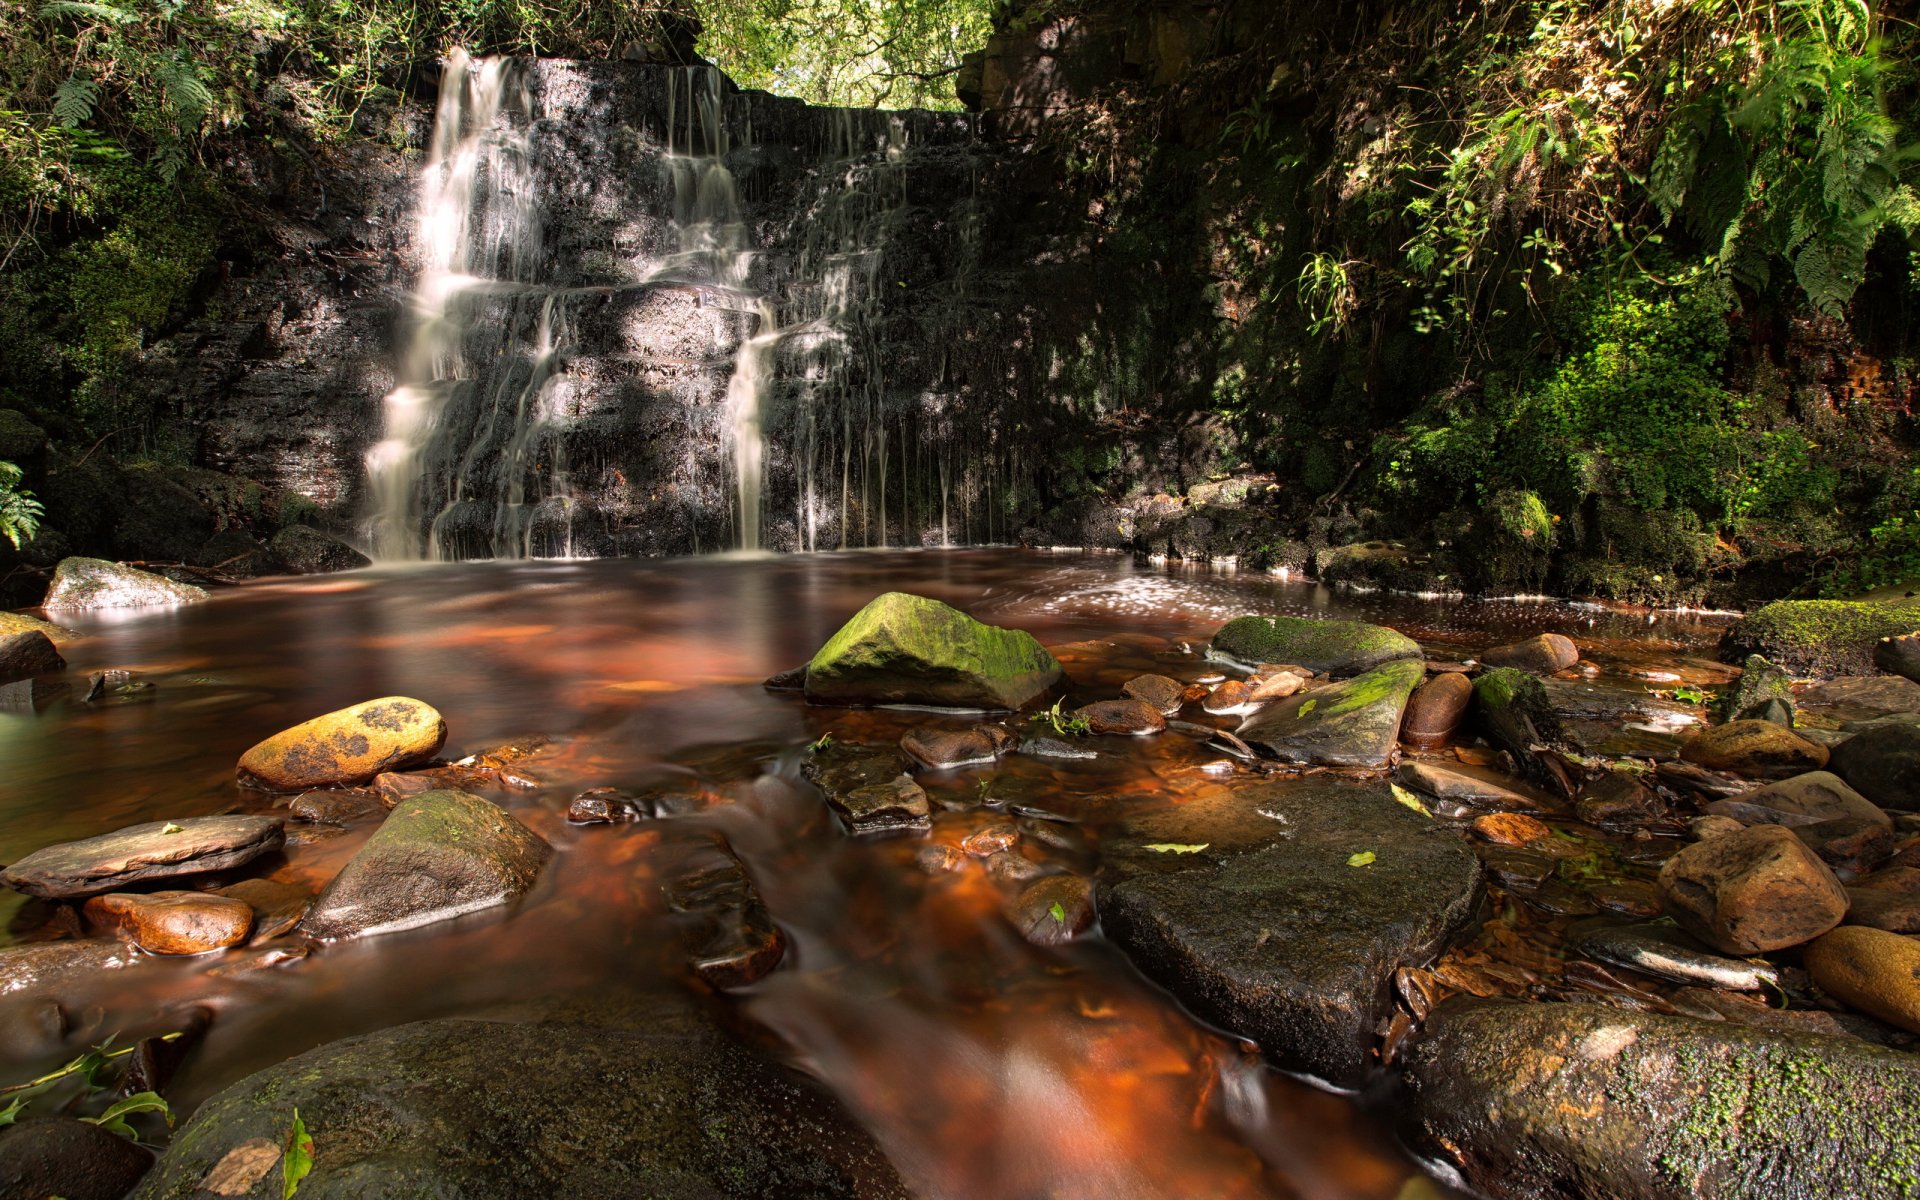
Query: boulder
[[438, 856], [1805, 799], [1287, 925], [141, 854], [489, 1110], [68, 1158], [1882, 761], [47, 966], [174, 922], [1277, 683], [1163, 693], [347, 747], [1586, 1100], [1128, 718], [83, 584], [1436, 709], [942, 748], [1899, 656], [306, 551], [1512, 707], [1756, 749], [1354, 723], [1759, 685], [731, 940], [13, 622], [904, 649], [1875, 971], [1337, 648], [1819, 637], [26, 654], [1231, 696], [1748, 892], [1540, 655]]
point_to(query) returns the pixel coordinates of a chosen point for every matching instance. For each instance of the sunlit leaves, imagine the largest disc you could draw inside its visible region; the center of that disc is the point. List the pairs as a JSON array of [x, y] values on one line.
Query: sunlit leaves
[[296, 1157]]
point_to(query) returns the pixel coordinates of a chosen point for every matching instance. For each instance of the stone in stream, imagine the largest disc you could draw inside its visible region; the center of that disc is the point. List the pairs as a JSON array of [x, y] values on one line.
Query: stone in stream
[[47, 966], [1819, 637], [1875, 971], [606, 805], [870, 788], [141, 854], [1666, 952], [68, 1158], [1713, 825], [1046, 747], [1053, 910], [277, 907], [337, 807], [1232, 696], [1888, 900], [1756, 749], [1748, 892], [1587, 1100], [1355, 723], [793, 679], [1436, 709], [1336, 648], [938, 749], [1759, 685], [1802, 800], [173, 922], [1882, 761], [661, 1106], [347, 747], [1443, 783], [438, 856], [13, 622], [1850, 845], [1163, 693], [1128, 718], [83, 584], [1277, 683], [1511, 706], [1510, 829], [1899, 656], [1617, 800], [733, 941], [1288, 925], [24, 655], [905, 649], [304, 550], [1541, 655]]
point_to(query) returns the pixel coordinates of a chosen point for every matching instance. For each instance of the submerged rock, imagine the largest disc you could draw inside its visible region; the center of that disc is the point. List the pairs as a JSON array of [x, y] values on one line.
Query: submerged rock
[[1617, 800], [1758, 749], [350, 746], [1053, 910], [1541, 655], [1128, 718], [1530, 1101], [83, 584], [438, 856], [1163, 693], [307, 551], [46, 966], [1756, 890], [733, 941], [1288, 924], [606, 805], [174, 922], [1046, 747], [68, 1158], [1462, 788], [1669, 953], [942, 748], [1350, 724], [905, 649], [1337, 648], [1875, 971], [486, 1110], [26, 654], [1819, 637], [142, 853]]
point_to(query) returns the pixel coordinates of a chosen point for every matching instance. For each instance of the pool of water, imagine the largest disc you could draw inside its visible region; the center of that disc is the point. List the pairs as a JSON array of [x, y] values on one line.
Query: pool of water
[[985, 1066]]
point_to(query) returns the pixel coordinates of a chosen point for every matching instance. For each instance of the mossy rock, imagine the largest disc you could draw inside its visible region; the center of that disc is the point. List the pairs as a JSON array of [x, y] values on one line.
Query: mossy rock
[[21, 441], [80, 584], [1510, 543], [1354, 723], [1759, 685], [12, 623], [906, 649], [1337, 648], [1819, 637], [1531, 1100]]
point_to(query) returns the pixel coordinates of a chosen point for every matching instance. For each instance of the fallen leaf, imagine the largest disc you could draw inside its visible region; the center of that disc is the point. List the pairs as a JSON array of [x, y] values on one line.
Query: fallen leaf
[[297, 1163], [244, 1166], [1059, 913], [170, 827], [1363, 859], [1410, 800], [1176, 847]]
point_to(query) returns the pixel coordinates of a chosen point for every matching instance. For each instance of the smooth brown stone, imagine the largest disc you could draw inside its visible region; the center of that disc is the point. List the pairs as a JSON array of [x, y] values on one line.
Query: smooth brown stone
[[1277, 684], [350, 746], [1757, 890], [1542, 655], [1510, 829], [1230, 697], [943, 748], [1033, 911], [174, 922], [1758, 749], [1616, 799], [1436, 709], [1163, 693], [1875, 971], [1122, 717]]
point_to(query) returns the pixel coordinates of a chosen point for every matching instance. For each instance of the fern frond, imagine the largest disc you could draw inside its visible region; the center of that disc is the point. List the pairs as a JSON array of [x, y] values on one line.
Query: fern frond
[[85, 8], [187, 94], [73, 101]]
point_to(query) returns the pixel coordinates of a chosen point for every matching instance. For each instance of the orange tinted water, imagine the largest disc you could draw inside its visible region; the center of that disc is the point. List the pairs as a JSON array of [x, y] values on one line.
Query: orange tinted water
[[985, 1066]]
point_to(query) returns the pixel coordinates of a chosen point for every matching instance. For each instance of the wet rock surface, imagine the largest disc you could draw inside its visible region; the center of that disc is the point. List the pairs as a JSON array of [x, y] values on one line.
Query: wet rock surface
[[1053, 910], [1802, 800], [1756, 890], [1436, 709], [1541, 655], [732, 940], [1882, 761], [905, 649], [1336, 648], [351, 746], [1126, 718], [1167, 695], [1875, 971], [62, 1156], [938, 749], [1663, 950], [438, 856], [83, 584], [488, 1110], [1272, 933], [1757, 749], [174, 922], [304, 550], [143, 853], [1355, 723], [45, 966], [26, 654], [1578, 1100]]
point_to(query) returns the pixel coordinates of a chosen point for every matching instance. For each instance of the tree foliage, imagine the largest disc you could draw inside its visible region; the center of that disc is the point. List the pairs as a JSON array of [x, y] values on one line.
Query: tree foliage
[[863, 53]]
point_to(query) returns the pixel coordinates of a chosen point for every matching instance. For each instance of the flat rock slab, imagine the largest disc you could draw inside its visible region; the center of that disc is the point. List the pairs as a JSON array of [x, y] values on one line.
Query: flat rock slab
[[1355, 723], [1336, 648], [486, 1110], [1586, 1100], [82, 584], [438, 856], [46, 966], [141, 854], [906, 649], [870, 788], [1268, 930]]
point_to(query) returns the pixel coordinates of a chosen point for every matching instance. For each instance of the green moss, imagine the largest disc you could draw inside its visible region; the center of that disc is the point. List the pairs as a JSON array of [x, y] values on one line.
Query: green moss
[[1820, 637], [1378, 685], [903, 648], [1336, 647]]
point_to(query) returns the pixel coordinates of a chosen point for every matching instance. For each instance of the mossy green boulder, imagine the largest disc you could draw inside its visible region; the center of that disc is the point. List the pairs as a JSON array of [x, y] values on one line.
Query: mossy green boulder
[[1531, 1100], [1819, 637], [1354, 723], [906, 649], [1336, 648]]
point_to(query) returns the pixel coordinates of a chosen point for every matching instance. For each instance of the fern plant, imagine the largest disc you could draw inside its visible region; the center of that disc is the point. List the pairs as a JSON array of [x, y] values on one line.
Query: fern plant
[[19, 511]]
